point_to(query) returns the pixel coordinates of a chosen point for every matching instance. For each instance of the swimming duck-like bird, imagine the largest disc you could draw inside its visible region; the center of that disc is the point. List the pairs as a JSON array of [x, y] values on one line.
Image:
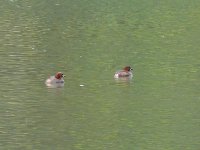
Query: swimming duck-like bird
[[125, 72], [55, 81]]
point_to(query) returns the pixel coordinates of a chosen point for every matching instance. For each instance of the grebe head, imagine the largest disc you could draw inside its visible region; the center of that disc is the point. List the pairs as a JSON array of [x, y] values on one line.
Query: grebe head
[[59, 75], [127, 68]]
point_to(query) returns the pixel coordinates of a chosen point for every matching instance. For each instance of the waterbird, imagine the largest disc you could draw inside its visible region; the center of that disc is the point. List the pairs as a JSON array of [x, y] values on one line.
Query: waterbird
[[124, 73], [56, 80]]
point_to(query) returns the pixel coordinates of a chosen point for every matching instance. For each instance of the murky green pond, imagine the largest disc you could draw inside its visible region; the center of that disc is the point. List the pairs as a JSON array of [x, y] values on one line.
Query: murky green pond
[[88, 41]]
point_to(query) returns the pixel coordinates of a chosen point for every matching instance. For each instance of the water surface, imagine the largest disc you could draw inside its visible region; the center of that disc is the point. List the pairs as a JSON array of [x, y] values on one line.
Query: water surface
[[88, 41]]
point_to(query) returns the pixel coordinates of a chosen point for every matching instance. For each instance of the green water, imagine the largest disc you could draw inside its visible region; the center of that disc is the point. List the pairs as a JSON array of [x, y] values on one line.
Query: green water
[[88, 41]]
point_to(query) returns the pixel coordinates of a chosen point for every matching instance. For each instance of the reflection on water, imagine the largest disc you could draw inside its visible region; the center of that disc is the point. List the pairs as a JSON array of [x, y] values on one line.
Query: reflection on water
[[124, 80], [58, 85], [157, 109]]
